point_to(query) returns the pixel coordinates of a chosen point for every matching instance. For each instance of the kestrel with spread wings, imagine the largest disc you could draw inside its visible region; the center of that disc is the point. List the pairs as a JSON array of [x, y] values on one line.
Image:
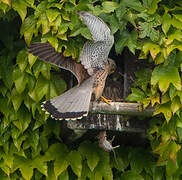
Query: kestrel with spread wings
[[91, 73]]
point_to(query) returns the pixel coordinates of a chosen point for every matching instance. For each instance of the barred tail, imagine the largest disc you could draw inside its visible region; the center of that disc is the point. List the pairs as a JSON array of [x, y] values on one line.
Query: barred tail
[[73, 104]]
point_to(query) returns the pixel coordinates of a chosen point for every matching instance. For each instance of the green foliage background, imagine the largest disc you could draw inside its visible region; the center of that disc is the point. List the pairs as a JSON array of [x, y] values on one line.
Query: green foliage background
[[30, 145]]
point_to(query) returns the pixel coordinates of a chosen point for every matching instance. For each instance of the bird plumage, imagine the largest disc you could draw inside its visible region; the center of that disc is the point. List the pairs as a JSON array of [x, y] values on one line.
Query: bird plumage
[[91, 73], [73, 104], [47, 53], [95, 53]]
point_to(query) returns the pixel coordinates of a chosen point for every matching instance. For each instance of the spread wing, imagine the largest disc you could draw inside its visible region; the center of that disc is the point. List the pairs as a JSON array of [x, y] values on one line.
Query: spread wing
[[47, 53], [95, 54]]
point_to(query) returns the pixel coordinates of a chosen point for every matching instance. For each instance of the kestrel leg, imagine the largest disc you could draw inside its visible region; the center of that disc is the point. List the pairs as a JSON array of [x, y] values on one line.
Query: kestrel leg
[[100, 79], [108, 101], [98, 92]]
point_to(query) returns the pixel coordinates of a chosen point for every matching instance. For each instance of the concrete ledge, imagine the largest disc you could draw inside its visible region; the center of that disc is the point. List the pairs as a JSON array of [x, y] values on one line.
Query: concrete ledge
[[117, 116], [120, 108]]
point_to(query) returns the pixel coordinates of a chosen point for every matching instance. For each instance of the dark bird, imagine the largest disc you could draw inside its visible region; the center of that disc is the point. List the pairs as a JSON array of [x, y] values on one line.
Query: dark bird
[[91, 73]]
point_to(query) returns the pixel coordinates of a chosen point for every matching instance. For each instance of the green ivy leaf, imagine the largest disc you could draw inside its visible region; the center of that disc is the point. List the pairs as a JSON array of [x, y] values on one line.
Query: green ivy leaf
[[41, 8], [147, 30], [45, 24], [167, 151], [57, 5], [32, 140], [165, 98], [120, 12], [172, 92], [3, 89], [136, 95], [131, 175], [64, 175], [28, 28], [154, 49], [24, 166], [75, 160], [5, 169], [51, 1], [153, 6], [165, 109], [103, 169], [59, 153], [16, 99], [37, 68], [157, 172], [20, 7], [65, 15], [171, 168], [89, 151], [176, 23], [179, 132], [136, 162], [30, 2], [166, 23], [20, 79], [113, 23], [40, 165], [175, 105], [164, 75], [24, 119], [112, 20], [19, 140], [6, 2], [176, 35], [31, 59], [172, 46], [109, 6], [84, 31], [8, 158], [57, 23], [31, 83], [6, 69], [85, 171], [51, 175], [52, 14], [143, 78], [21, 59], [135, 4], [15, 132], [45, 70], [126, 39], [57, 85], [63, 27], [178, 16], [53, 41], [41, 89], [122, 158], [4, 106]]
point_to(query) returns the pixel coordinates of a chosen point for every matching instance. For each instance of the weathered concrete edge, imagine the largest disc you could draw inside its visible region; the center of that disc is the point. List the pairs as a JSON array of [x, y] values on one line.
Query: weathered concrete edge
[[120, 108]]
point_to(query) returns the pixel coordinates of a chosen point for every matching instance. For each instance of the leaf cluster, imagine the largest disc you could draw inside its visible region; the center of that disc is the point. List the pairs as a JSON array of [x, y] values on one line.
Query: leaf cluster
[[159, 35], [30, 143]]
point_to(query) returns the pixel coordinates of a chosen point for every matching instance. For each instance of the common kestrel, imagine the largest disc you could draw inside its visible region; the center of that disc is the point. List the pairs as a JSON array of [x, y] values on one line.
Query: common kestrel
[[91, 73]]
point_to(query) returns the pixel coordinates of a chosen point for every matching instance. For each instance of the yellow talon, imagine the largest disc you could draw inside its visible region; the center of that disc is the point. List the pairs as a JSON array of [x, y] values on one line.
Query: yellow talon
[[108, 101]]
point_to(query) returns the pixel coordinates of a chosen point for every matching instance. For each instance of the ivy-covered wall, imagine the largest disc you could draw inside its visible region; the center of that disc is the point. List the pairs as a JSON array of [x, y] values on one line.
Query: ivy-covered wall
[[30, 143]]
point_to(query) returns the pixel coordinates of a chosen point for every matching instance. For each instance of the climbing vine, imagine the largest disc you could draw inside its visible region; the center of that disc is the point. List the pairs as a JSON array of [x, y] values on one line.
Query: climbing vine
[[30, 143]]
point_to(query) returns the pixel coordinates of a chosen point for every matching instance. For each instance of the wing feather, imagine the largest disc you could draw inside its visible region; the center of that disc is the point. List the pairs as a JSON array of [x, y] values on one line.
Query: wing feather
[[95, 53], [47, 53]]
